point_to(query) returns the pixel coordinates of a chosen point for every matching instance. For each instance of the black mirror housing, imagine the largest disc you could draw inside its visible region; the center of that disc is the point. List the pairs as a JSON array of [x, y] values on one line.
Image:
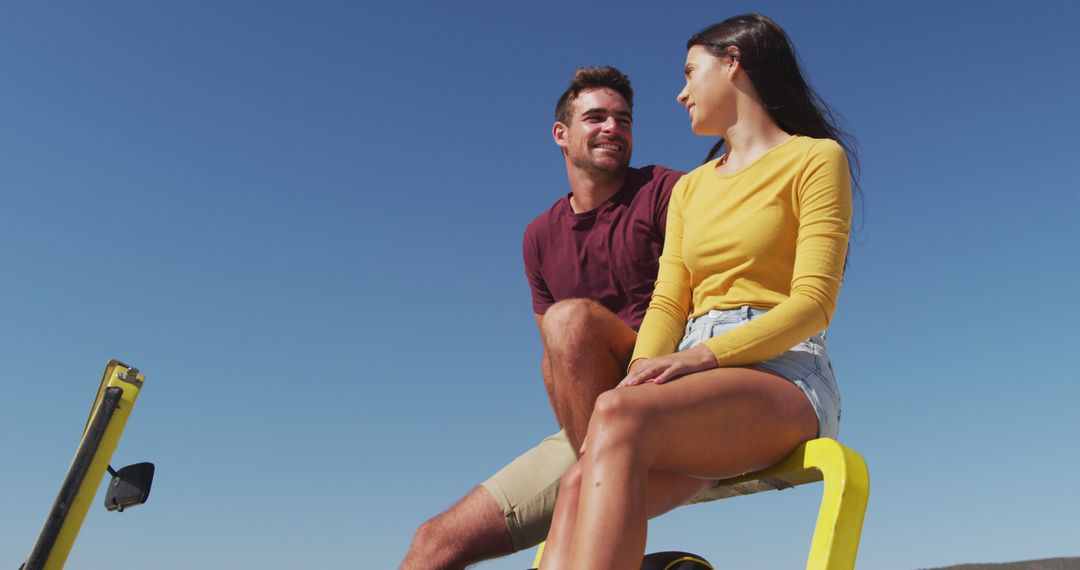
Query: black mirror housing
[[129, 487]]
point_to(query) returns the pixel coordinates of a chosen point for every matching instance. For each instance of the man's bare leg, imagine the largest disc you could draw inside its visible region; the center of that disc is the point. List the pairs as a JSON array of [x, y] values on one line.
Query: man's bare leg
[[472, 530], [587, 349]]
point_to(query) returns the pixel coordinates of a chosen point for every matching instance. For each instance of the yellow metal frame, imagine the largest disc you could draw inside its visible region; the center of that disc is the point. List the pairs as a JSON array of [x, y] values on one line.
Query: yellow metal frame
[[129, 381], [843, 501]]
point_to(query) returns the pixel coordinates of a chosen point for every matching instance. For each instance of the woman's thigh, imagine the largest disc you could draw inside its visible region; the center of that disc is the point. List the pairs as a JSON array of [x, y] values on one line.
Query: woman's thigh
[[668, 491], [716, 424]]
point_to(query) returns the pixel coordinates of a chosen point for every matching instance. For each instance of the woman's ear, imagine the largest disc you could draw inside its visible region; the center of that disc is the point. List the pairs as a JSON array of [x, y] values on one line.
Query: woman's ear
[[733, 58]]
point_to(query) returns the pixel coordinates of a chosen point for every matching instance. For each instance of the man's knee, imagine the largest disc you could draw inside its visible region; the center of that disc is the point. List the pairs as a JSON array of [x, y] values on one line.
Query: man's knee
[[427, 535], [472, 530], [573, 315], [580, 327], [435, 538]]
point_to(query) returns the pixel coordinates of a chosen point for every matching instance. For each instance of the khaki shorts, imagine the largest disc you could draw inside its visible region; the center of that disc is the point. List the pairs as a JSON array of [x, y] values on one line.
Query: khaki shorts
[[526, 489]]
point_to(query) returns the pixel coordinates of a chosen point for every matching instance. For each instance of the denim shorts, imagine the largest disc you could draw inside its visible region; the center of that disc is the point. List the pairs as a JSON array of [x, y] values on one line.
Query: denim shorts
[[806, 364]]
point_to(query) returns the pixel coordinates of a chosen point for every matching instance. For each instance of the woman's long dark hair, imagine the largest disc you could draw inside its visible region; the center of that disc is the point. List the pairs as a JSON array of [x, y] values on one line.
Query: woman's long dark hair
[[766, 54]]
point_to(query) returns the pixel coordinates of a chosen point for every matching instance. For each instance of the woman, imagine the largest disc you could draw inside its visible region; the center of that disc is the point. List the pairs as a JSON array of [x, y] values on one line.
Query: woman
[[754, 254]]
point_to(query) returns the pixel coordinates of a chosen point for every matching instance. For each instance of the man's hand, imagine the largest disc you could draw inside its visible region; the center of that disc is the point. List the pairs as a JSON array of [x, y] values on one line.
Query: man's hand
[[669, 367]]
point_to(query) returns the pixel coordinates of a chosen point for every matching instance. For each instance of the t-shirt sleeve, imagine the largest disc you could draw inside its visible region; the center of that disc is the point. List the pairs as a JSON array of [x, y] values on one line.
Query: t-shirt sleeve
[[823, 210], [541, 295], [666, 317]]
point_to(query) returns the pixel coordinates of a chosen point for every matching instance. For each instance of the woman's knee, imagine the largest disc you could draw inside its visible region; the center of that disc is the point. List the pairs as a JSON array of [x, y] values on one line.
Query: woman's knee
[[620, 415]]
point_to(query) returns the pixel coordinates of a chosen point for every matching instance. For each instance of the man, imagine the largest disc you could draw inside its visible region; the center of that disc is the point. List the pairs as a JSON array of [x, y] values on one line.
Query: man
[[591, 261]]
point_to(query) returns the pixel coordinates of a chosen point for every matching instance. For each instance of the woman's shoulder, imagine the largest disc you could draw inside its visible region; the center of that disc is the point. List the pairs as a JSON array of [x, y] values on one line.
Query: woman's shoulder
[[824, 148], [807, 154]]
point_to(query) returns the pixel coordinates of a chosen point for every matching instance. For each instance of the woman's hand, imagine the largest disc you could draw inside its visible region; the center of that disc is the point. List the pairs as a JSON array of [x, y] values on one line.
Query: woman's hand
[[669, 367]]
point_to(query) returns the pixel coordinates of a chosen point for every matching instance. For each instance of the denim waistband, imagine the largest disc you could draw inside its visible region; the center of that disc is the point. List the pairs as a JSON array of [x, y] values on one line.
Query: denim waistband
[[738, 314]]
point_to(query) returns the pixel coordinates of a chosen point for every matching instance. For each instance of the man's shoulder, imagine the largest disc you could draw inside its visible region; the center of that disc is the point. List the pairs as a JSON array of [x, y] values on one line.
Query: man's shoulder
[[655, 174], [540, 224], [652, 181]]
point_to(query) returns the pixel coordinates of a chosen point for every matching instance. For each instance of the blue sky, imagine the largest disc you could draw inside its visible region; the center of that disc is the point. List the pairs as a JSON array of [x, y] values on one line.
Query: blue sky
[[302, 221]]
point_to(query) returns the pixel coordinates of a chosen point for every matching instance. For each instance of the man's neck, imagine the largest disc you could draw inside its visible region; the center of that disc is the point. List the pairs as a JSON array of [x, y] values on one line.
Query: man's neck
[[588, 190]]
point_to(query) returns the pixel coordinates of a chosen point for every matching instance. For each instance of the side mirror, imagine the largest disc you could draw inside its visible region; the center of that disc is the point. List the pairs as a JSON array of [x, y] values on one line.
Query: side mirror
[[129, 487]]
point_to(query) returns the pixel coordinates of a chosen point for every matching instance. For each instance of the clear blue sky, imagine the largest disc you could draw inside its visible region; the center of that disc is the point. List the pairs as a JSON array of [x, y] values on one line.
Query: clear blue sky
[[302, 221]]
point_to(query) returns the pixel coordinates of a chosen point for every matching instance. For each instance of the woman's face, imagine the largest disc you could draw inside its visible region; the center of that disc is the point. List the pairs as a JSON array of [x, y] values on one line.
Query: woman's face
[[709, 95]]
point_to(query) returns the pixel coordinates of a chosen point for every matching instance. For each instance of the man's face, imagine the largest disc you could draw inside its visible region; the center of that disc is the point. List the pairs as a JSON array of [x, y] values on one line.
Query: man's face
[[600, 137]]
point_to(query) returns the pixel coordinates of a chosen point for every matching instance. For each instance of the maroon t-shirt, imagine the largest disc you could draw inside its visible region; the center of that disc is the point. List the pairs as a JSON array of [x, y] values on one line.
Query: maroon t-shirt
[[609, 254]]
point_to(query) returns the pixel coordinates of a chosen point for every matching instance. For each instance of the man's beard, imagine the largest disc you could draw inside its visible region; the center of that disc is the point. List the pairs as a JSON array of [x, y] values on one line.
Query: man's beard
[[602, 173]]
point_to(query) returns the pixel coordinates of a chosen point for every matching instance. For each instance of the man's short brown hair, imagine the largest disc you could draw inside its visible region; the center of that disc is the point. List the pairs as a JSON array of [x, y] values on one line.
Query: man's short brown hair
[[593, 78]]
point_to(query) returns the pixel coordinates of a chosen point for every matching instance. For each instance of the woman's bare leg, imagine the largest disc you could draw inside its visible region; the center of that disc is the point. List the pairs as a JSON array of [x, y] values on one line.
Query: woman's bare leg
[[557, 545], [715, 424], [666, 491]]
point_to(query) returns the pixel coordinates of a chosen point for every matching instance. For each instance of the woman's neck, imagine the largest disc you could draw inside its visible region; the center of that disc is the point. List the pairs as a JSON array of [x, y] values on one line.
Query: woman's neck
[[753, 135]]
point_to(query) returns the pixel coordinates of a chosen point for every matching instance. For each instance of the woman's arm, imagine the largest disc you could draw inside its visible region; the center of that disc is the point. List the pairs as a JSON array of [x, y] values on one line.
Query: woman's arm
[[665, 319], [654, 358]]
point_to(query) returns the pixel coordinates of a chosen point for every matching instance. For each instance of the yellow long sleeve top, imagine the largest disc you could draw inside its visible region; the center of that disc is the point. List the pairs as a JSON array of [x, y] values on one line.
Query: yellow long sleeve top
[[773, 235]]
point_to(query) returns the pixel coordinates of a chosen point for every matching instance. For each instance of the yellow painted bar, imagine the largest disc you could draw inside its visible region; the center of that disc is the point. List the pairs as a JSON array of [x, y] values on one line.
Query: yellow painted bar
[[117, 375], [843, 504], [539, 555]]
